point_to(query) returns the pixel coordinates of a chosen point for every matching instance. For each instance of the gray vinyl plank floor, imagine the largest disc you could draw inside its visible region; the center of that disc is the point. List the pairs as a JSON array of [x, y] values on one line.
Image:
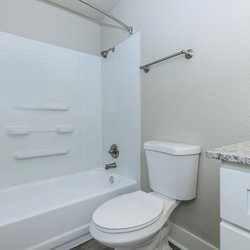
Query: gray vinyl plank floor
[[94, 245]]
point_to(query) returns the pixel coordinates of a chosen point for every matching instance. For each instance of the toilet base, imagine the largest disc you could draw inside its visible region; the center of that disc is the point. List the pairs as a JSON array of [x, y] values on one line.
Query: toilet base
[[159, 242]]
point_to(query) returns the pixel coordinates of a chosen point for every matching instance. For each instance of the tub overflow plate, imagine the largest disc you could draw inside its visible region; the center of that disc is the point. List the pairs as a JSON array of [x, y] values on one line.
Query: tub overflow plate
[[111, 179]]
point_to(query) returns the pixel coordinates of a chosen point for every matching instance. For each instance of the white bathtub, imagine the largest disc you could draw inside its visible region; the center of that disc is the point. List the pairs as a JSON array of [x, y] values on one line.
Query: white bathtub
[[55, 213]]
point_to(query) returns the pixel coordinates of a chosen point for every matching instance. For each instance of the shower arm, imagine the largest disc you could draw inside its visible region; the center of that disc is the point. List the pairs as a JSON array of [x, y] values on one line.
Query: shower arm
[[128, 28]]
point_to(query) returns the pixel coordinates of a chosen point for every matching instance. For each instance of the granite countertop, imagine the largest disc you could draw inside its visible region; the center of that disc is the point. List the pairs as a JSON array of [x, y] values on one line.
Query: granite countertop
[[238, 153]]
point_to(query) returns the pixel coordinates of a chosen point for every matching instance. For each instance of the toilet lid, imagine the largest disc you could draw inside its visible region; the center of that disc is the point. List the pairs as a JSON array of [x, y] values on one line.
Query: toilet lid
[[128, 212]]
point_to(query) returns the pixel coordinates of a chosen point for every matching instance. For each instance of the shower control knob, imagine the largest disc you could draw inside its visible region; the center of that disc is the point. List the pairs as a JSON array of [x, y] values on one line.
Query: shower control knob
[[113, 151]]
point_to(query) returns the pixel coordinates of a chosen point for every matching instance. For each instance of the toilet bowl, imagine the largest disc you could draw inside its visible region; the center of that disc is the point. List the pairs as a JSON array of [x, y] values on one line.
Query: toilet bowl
[[139, 220], [124, 223]]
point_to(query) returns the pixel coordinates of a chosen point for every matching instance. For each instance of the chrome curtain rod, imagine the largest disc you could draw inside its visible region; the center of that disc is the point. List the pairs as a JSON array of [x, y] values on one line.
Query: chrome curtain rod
[[188, 54], [128, 28]]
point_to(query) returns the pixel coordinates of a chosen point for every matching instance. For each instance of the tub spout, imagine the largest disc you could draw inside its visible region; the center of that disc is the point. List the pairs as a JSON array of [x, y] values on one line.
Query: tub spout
[[111, 165]]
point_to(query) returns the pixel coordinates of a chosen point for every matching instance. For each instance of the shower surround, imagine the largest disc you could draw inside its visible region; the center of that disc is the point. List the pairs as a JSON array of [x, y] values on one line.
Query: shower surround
[[61, 111]]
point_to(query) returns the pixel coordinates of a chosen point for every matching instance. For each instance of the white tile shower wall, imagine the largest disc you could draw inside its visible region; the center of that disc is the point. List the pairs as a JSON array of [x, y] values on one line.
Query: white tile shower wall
[[43, 87], [121, 106]]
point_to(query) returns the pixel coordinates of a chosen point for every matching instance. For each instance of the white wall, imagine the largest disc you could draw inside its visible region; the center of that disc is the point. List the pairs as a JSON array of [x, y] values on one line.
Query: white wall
[[43, 87], [121, 106], [203, 101], [40, 70], [39, 21], [43, 68]]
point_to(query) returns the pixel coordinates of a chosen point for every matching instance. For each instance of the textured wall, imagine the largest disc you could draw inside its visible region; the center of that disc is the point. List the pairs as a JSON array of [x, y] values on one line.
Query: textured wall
[[39, 21], [203, 101]]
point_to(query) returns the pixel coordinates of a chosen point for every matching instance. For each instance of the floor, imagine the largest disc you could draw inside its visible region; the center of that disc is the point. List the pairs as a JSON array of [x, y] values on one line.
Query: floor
[[94, 245], [91, 245]]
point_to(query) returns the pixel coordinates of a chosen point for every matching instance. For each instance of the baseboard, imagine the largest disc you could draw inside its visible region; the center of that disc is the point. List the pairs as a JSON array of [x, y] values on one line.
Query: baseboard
[[186, 240]]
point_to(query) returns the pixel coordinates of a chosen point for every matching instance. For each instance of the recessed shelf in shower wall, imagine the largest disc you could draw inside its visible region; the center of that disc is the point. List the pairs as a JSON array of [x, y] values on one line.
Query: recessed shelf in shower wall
[[40, 153], [26, 130]]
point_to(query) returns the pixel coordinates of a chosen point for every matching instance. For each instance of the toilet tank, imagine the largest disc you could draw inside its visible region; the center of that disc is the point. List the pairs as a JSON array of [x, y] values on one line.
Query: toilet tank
[[173, 168]]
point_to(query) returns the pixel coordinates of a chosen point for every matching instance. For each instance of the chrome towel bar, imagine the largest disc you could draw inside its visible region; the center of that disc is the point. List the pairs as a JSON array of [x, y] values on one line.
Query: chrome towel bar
[[188, 55]]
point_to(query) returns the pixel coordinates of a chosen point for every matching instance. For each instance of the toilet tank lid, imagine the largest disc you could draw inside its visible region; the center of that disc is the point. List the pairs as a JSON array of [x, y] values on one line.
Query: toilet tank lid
[[172, 148]]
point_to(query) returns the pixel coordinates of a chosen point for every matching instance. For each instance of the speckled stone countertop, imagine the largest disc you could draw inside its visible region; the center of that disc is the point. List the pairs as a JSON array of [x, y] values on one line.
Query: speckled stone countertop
[[238, 153]]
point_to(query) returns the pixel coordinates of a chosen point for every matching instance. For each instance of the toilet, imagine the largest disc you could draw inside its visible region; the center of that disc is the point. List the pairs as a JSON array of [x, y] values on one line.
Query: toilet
[[139, 220]]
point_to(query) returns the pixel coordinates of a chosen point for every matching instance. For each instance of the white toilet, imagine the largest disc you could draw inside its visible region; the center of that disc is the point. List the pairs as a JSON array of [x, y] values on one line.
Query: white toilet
[[138, 220]]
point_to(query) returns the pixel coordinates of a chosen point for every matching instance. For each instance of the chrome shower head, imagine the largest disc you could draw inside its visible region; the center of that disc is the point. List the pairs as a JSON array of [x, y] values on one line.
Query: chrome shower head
[[104, 53]]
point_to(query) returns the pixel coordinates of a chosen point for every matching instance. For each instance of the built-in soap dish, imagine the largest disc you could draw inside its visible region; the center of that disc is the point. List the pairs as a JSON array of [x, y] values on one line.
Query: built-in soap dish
[[40, 153]]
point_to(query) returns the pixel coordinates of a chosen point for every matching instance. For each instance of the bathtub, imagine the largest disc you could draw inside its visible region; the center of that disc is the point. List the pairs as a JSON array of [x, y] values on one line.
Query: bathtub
[[55, 213]]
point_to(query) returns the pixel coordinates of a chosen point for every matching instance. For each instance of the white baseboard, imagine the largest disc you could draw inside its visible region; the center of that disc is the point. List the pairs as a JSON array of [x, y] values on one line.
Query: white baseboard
[[186, 240]]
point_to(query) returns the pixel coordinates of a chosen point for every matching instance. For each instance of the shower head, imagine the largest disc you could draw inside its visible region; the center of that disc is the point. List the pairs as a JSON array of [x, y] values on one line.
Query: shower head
[[104, 53]]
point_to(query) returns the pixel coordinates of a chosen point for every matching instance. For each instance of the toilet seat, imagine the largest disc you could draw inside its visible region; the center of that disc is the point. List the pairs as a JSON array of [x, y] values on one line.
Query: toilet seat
[[128, 212], [122, 237]]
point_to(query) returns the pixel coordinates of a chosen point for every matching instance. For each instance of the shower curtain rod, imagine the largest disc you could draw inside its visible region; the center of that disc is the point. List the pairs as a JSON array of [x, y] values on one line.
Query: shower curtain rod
[[128, 28]]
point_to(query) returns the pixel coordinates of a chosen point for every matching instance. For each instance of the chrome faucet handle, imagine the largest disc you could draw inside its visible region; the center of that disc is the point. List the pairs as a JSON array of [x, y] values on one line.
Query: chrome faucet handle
[[111, 165], [114, 151]]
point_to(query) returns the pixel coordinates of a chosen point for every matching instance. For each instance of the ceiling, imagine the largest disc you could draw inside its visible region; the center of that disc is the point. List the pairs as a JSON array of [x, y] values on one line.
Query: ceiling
[[85, 10]]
